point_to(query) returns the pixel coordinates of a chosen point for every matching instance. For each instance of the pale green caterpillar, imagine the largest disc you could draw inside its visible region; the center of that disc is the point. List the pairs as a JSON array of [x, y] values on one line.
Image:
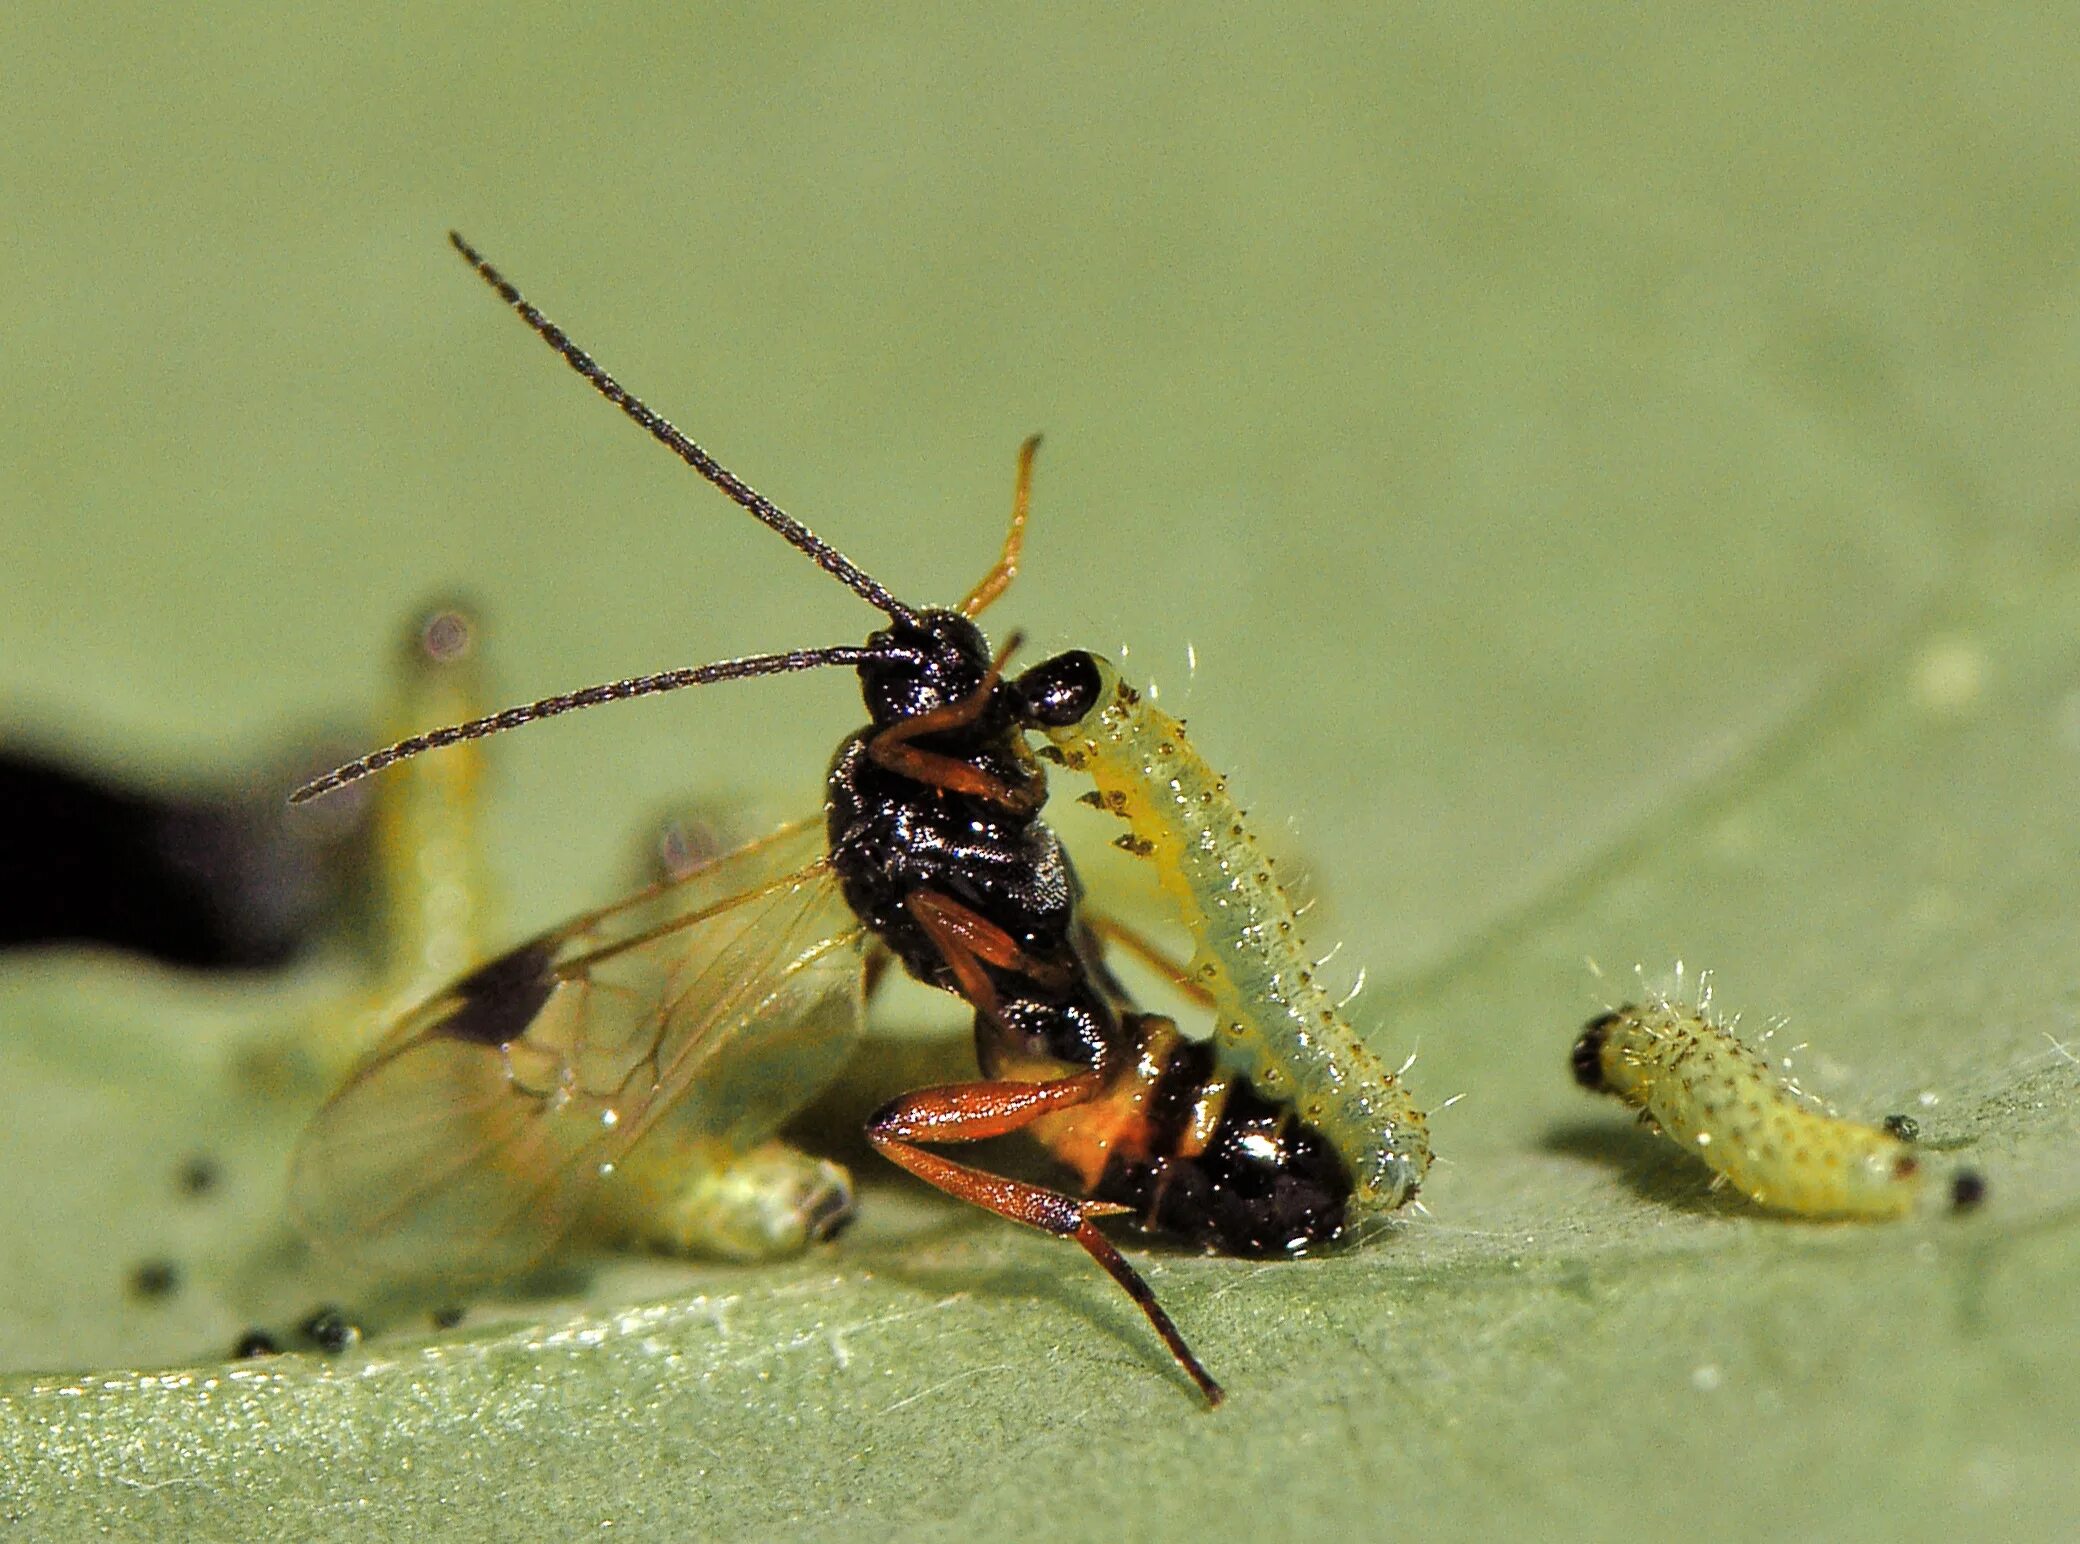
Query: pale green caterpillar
[[1275, 1021], [1693, 1080]]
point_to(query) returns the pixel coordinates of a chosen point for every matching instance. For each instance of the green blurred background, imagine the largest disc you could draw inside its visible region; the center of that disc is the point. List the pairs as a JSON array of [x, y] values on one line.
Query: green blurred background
[[1616, 477]]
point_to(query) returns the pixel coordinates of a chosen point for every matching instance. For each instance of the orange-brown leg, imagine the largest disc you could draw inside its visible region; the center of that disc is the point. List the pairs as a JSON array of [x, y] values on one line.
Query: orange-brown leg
[[1112, 931], [998, 579], [892, 748], [973, 1112], [968, 940]]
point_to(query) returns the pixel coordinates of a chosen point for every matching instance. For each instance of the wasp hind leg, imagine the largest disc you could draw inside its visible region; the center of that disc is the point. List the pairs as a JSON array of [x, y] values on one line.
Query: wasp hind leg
[[713, 1202], [974, 1112]]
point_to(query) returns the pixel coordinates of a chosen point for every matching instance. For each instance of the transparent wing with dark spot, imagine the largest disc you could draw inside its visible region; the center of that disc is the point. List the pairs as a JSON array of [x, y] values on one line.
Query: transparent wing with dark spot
[[489, 1118]]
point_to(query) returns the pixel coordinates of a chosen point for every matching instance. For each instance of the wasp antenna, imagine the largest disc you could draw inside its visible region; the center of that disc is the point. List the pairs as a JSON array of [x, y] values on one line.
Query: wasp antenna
[[998, 579], [591, 697], [826, 557]]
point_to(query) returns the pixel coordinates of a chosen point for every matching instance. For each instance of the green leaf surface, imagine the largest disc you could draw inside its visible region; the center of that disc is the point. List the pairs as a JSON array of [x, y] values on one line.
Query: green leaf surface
[[1617, 478]]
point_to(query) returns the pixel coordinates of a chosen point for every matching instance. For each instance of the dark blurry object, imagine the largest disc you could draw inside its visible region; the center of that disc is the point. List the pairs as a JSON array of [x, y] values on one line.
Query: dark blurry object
[[228, 876], [331, 1331], [254, 1343], [209, 878], [154, 1279], [198, 1176]]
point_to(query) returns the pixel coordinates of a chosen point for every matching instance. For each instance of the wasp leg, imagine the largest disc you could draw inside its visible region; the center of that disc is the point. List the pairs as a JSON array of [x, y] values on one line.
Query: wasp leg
[[706, 1199], [998, 579], [974, 1112], [891, 748], [967, 941], [1145, 949]]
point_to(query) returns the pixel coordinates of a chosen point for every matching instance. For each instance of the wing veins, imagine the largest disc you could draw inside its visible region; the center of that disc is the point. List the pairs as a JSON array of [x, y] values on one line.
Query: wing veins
[[432, 1185], [585, 922], [533, 1173], [729, 1007], [779, 983]]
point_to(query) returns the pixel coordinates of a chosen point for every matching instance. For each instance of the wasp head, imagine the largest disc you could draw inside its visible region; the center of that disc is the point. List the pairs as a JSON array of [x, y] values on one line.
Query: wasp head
[[931, 662]]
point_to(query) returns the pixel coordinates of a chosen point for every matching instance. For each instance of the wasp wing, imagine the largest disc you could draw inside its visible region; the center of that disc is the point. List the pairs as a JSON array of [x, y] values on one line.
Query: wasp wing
[[473, 1137]]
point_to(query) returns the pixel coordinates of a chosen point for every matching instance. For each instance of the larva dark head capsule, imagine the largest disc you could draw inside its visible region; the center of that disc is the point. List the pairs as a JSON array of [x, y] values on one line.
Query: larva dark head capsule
[[1061, 691], [1587, 1059]]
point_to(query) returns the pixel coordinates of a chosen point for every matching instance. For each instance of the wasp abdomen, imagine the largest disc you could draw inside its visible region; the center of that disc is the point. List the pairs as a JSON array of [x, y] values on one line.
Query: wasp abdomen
[[1260, 1182], [1202, 1156]]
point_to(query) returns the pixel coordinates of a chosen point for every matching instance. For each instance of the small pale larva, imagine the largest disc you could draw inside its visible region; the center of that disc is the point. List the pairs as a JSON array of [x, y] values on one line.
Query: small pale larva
[[1692, 1079]]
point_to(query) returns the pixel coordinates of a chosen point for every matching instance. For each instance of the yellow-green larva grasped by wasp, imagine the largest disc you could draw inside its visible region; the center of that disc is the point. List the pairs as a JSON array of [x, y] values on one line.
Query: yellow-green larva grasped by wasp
[[1695, 1081], [1276, 1023]]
